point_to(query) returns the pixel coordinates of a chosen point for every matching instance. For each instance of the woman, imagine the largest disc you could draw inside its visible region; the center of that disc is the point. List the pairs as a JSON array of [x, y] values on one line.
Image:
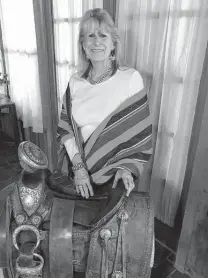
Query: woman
[[105, 126]]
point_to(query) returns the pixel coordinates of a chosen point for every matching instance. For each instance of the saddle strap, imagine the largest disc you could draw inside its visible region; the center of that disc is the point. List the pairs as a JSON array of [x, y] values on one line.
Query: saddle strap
[[124, 220], [105, 234], [5, 214], [60, 239], [120, 246], [3, 236]]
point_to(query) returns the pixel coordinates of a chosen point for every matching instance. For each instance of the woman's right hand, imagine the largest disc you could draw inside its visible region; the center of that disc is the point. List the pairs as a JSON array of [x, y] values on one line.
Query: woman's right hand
[[82, 183]]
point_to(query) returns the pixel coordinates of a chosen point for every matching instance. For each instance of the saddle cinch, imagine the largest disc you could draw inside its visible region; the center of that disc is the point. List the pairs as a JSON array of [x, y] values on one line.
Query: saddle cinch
[[108, 235]]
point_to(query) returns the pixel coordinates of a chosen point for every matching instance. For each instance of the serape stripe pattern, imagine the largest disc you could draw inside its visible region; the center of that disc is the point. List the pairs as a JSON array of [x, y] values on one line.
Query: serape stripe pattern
[[122, 141], [125, 141], [64, 129], [67, 127]]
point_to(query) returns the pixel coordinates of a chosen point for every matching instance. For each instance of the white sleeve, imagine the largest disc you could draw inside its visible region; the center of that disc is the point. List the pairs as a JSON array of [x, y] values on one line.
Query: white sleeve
[[136, 83], [70, 144], [71, 147]]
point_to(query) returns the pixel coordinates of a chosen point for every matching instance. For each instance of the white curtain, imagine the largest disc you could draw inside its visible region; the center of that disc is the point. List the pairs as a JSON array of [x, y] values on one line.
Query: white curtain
[[17, 19], [166, 41], [67, 15]]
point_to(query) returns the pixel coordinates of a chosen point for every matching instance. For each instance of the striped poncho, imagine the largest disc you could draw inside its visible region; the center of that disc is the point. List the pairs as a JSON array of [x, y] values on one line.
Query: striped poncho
[[122, 141]]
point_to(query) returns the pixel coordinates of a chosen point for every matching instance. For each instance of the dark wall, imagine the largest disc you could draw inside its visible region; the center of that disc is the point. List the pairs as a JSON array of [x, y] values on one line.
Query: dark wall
[[110, 6]]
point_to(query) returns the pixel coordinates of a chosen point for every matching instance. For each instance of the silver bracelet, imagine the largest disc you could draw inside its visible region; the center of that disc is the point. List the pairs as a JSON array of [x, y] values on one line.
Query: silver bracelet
[[78, 166]]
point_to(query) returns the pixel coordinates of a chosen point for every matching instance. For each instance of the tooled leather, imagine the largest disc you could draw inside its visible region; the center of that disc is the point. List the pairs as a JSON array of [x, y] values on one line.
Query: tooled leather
[[138, 263], [81, 248], [139, 229], [42, 210]]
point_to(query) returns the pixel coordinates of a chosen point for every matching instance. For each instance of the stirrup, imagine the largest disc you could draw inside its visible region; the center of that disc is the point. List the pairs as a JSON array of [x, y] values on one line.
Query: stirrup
[[29, 271]]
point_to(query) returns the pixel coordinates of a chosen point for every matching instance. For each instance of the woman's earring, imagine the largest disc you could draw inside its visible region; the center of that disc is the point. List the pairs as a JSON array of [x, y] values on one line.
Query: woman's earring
[[112, 56]]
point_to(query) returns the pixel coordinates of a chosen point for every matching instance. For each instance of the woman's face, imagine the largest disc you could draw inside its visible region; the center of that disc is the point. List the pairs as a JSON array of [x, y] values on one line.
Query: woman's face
[[98, 42]]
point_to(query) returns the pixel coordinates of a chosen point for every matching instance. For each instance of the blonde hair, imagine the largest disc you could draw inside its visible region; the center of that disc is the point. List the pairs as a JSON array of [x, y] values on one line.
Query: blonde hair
[[103, 18]]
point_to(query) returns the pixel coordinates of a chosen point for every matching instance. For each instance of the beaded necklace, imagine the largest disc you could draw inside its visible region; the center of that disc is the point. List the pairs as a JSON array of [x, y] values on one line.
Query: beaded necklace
[[103, 76]]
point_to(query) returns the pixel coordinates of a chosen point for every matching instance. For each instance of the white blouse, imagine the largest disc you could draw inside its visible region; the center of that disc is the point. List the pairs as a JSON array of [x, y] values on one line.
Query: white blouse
[[91, 104]]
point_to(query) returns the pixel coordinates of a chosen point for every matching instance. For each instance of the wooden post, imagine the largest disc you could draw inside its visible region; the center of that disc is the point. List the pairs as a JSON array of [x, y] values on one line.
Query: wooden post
[[47, 73]]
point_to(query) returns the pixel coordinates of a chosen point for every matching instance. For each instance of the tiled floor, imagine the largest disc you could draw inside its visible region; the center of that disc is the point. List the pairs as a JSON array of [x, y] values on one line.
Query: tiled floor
[[166, 239]]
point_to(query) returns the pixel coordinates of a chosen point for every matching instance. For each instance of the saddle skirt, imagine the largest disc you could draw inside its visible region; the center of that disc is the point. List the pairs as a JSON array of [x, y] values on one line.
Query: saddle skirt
[[109, 237]]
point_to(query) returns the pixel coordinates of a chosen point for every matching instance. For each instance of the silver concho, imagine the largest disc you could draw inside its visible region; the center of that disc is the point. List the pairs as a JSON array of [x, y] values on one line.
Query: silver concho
[[123, 215], [117, 274], [20, 219], [36, 220], [105, 234]]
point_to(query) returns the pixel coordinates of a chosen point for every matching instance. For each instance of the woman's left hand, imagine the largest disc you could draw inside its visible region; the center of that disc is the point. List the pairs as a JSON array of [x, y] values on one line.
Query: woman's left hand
[[127, 178]]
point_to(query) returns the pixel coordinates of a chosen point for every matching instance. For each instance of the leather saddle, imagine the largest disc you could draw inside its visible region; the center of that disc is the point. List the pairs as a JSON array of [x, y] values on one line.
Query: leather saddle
[[108, 235]]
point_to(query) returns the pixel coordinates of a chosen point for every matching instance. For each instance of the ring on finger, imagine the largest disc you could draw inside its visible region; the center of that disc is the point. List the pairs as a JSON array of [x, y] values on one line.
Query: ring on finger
[[81, 188], [85, 189]]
